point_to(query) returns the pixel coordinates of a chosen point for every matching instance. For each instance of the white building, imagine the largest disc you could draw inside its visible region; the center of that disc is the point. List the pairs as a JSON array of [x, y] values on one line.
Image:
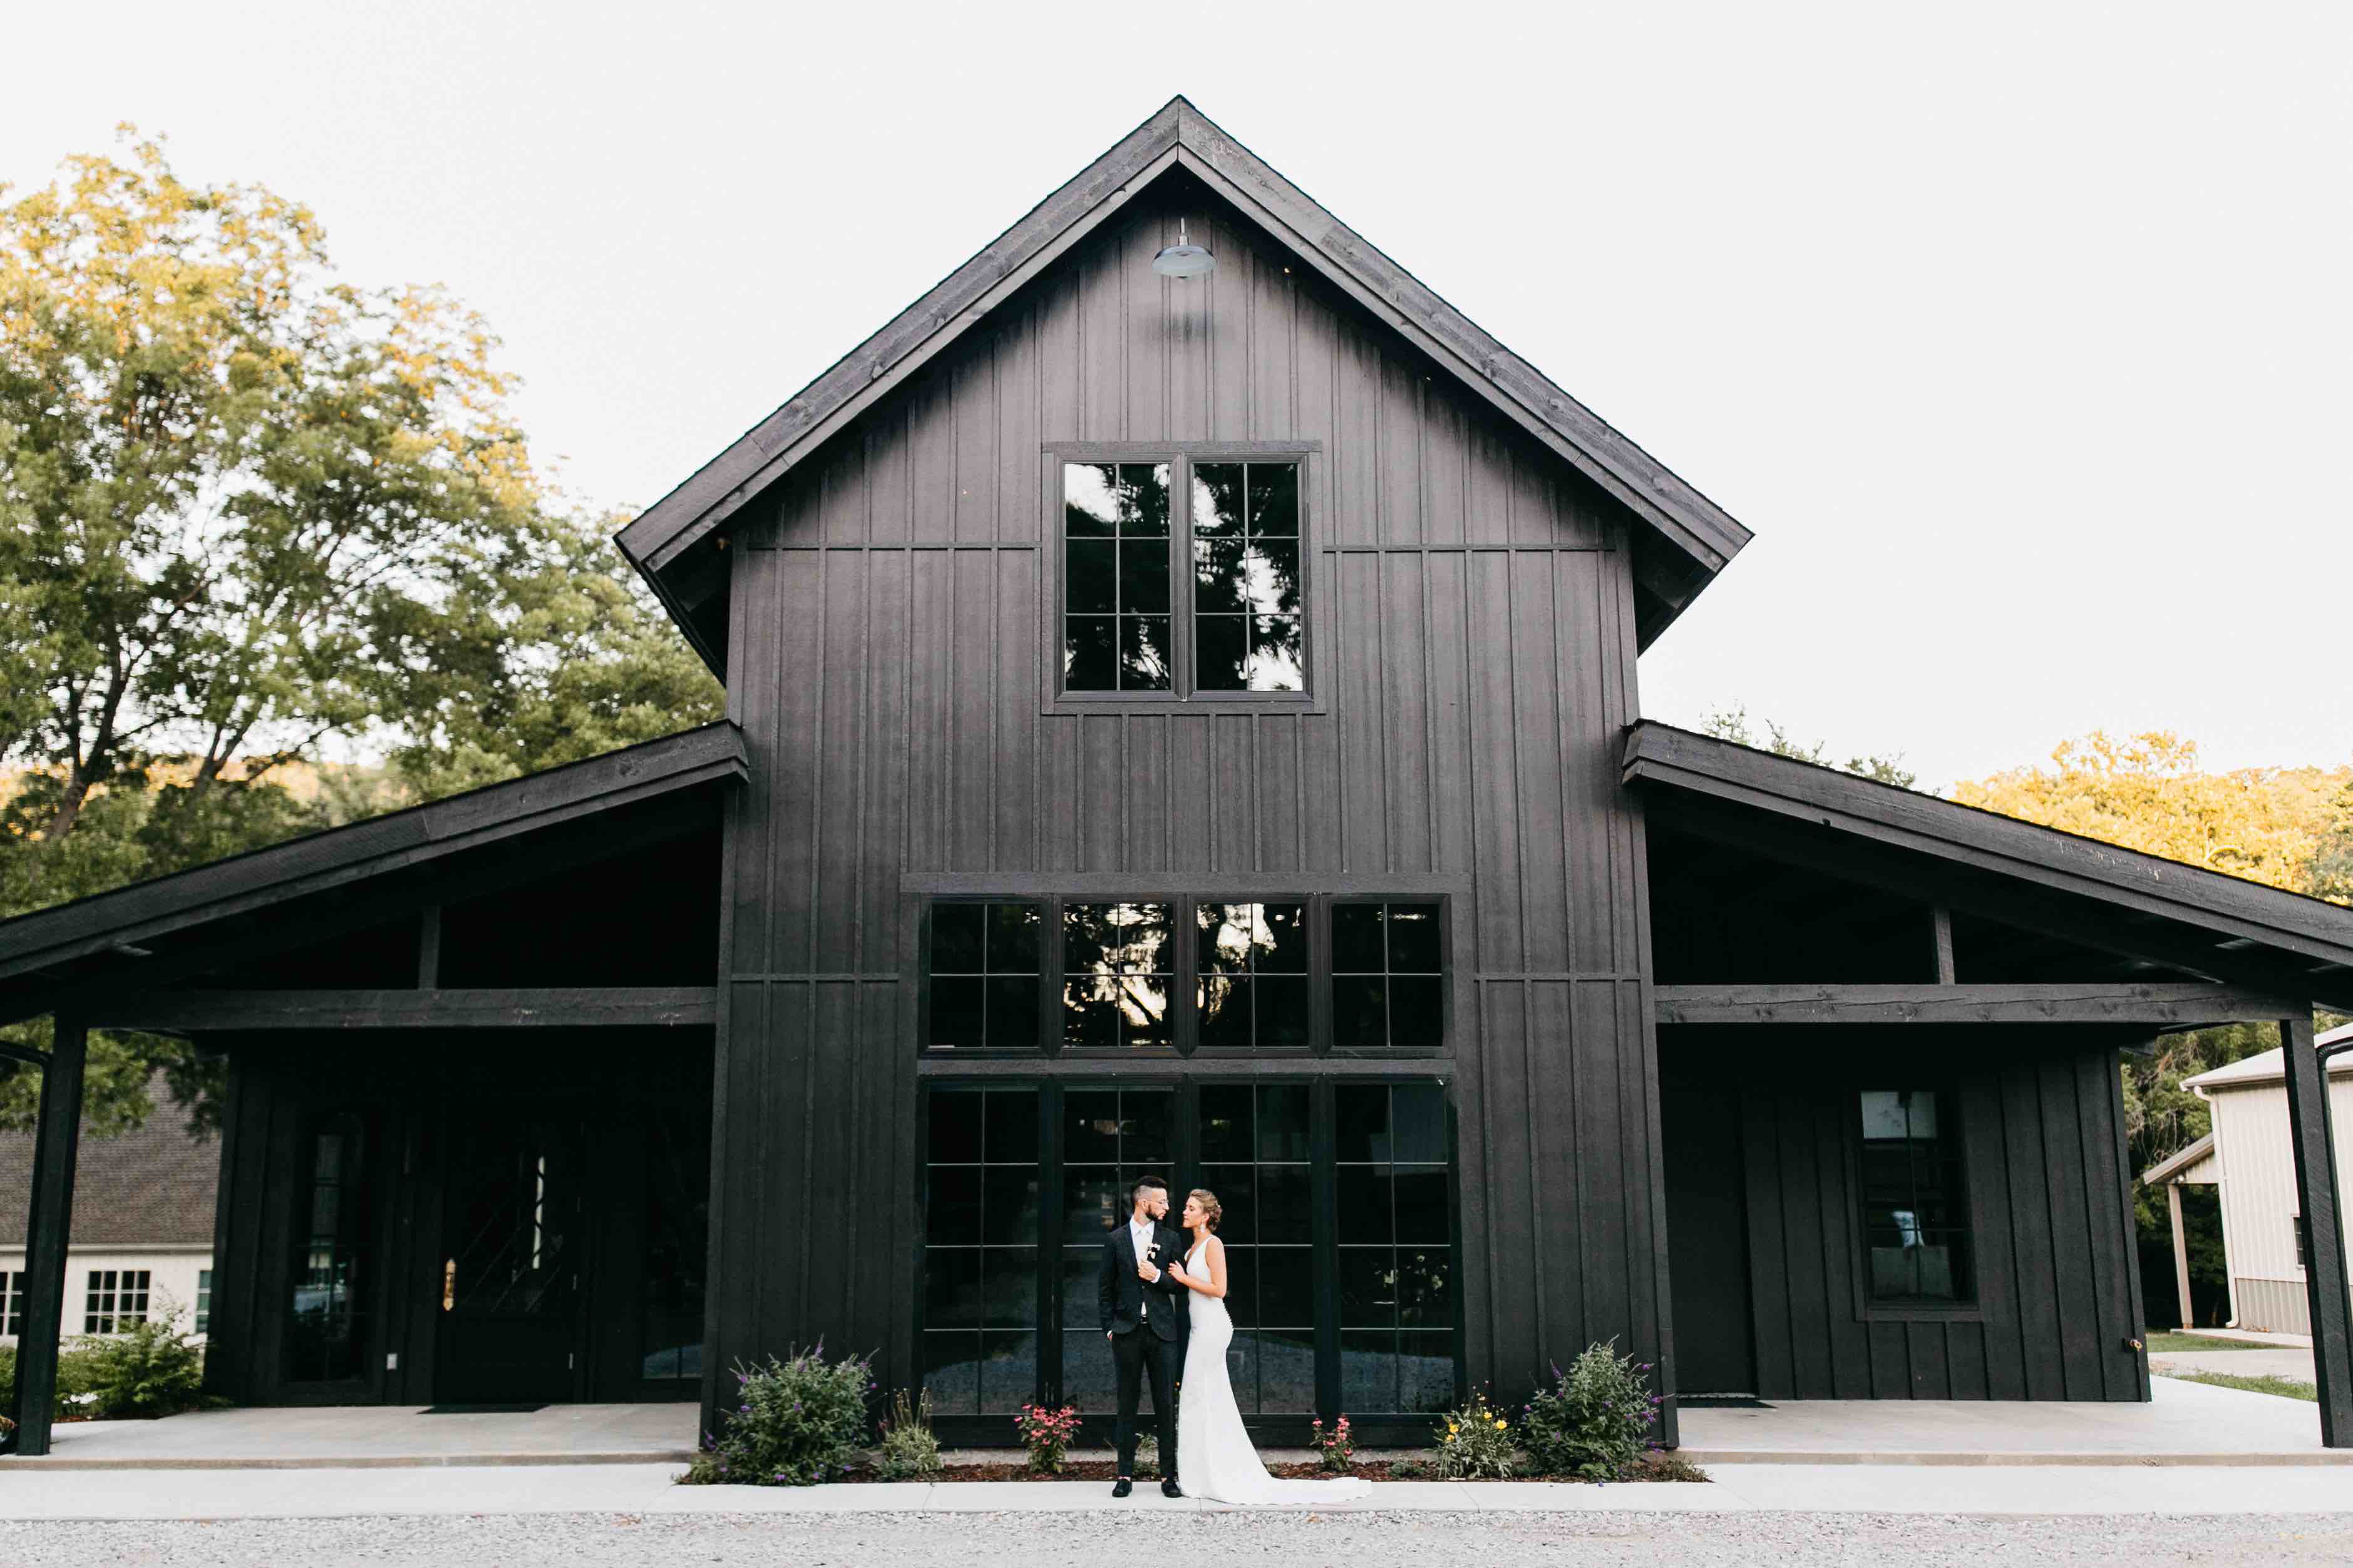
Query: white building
[[2249, 1158], [143, 1224]]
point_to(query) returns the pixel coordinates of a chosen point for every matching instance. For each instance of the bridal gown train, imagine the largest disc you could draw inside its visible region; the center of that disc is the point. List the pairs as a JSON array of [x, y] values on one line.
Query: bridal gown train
[[1215, 1459]]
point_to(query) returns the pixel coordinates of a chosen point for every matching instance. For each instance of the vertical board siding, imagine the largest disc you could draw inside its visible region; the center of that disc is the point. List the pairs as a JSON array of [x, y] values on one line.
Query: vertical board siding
[[1474, 669], [2054, 1303]]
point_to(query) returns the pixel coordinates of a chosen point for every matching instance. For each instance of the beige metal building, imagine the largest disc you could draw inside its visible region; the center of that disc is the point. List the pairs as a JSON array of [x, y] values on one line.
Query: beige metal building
[[2249, 1158]]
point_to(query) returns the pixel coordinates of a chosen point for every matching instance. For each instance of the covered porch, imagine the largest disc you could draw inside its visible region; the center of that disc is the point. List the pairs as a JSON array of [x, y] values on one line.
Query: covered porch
[[466, 1053], [1892, 1124]]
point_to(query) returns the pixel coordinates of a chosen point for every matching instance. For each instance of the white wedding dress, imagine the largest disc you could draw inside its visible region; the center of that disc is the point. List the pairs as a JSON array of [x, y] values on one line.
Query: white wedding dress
[[1214, 1456]]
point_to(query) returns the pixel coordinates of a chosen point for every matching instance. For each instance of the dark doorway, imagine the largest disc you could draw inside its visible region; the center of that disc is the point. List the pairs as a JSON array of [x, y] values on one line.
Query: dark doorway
[[514, 1238], [1707, 1239]]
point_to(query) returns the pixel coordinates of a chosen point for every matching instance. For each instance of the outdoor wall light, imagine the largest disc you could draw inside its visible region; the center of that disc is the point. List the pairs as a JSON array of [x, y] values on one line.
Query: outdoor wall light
[[1184, 259]]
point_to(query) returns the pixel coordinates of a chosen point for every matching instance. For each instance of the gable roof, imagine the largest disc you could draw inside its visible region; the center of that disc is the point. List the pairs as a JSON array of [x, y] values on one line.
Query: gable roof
[[2188, 1166], [1687, 539], [130, 934], [2298, 948], [2270, 1066]]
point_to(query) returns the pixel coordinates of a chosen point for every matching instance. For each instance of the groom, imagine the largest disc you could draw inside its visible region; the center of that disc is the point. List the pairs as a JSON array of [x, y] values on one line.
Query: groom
[[1143, 1313]]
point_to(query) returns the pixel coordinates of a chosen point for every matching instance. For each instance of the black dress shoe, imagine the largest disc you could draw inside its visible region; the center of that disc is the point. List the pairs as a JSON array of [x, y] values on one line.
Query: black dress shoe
[[1169, 1488], [1123, 1487]]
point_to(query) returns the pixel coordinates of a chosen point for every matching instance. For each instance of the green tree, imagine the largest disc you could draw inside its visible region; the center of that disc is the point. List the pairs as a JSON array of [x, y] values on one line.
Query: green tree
[[246, 508], [1731, 724]]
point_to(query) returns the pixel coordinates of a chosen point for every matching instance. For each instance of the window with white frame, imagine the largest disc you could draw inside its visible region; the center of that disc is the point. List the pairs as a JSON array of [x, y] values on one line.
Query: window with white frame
[[117, 1300], [12, 1302]]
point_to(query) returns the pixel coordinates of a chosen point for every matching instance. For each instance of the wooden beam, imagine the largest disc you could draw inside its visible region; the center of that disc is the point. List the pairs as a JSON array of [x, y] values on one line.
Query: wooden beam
[[1940, 944], [428, 947], [210, 1012], [2169, 1005], [2324, 1237], [48, 1230]]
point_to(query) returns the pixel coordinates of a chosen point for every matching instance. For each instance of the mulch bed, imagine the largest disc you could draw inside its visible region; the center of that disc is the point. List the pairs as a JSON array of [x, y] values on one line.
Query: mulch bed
[[1658, 1468]]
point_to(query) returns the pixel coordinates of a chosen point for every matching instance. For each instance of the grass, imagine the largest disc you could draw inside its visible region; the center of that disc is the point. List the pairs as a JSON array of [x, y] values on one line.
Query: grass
[[2167, 1341], [2285, 1387]]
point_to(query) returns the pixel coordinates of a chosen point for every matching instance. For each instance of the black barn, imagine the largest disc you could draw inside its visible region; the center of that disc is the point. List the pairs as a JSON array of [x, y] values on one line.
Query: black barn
[[1185, 723]]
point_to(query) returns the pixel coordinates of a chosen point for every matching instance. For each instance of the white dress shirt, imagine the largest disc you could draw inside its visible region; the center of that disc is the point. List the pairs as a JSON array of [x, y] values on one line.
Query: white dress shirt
[[1140, 1234]]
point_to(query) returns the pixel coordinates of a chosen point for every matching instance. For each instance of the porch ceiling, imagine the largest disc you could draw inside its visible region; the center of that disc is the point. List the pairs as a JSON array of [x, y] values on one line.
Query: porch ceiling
[[2069, 889], [300, 892]]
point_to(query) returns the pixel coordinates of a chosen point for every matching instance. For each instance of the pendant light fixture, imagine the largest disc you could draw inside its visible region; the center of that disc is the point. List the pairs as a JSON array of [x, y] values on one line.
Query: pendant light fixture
[[1184, 259]]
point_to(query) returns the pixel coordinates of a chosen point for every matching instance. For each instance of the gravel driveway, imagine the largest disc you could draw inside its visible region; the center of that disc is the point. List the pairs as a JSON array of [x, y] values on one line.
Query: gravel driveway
[[1100, 1541]]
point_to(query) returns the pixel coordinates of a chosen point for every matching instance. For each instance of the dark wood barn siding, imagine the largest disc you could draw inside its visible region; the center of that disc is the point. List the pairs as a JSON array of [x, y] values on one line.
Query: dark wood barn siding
[[2040, 1128], [1473, 624]]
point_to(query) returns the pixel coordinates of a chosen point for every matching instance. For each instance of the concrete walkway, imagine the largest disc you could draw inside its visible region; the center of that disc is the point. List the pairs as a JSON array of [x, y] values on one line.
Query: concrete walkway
[[644, 1490], [2183, 1424], [364, 1437]]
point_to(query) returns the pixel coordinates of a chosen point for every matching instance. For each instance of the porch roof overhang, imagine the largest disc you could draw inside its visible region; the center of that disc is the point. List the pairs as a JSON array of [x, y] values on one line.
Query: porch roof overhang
[[310, 888], [1682, 540], [2193, 1166], [2196, 922]]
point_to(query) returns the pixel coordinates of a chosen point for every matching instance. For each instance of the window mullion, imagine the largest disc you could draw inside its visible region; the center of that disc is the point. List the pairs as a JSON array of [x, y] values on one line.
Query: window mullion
[[1181, 575], [1050, 977], [1323, 1194]]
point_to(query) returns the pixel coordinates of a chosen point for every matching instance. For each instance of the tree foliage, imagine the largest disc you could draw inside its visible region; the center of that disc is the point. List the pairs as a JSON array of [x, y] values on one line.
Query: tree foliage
[[2147, 792], [1731, 724], [249, 510]]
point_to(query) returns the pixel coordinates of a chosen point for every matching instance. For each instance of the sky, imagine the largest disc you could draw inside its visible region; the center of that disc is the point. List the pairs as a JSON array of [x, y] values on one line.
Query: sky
[[2020, 335]]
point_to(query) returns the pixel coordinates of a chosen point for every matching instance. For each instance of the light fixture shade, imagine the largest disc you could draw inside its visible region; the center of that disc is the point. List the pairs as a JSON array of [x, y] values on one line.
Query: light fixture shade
[[1184, 260]]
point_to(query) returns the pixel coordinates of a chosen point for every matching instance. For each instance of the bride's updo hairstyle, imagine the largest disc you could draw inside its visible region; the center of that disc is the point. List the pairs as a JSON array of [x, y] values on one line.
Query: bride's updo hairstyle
[[1212, 1211]]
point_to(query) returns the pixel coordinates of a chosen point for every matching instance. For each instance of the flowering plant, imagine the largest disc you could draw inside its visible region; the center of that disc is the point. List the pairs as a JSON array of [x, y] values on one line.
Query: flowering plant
[[1475, 1441], [1337, 1447], [1046, 1434], [1596, 1419]]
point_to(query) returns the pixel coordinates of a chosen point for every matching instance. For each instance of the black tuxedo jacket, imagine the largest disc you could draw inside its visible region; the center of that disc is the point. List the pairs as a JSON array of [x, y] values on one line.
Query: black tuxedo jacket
[[1123, 1296]]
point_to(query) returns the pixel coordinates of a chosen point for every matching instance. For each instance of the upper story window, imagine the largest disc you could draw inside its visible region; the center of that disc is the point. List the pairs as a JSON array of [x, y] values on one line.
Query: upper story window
[[1183, 577], [1915, 1221]]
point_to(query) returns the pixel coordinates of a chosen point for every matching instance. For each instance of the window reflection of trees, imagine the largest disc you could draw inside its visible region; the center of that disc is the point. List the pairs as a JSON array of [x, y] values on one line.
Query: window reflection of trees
[[1253, 990], [1119, 962], [1246, 571]]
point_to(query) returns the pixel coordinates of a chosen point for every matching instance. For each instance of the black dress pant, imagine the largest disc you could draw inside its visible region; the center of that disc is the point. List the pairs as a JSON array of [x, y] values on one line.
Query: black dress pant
[[1140, 1353]]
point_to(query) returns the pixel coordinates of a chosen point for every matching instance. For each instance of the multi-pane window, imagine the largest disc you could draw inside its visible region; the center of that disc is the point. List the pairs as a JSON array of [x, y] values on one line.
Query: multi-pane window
[[1253, 990], [1246, 631], [326, 1328], [1183, 578], [1110, 1138], [1115, 547], [985, 976], [1119, 966], [1916, 1223], [203, 1302], [1387, 976], [1183, 974], [980, 1250], [1397, 1254], [12, 1302], [116, 1301], [1255, 1156]]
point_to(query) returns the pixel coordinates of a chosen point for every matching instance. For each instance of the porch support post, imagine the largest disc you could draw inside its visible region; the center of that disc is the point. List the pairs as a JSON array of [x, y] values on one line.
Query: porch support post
[[2180, 1252], [49, 1221], [2324, 1236]]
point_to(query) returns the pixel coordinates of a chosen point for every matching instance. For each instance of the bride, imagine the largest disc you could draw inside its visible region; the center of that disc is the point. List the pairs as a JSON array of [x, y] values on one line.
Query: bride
[[1213, 1453]]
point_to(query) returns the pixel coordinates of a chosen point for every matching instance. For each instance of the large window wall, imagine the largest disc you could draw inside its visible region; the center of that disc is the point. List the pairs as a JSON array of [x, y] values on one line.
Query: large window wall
[[1339, 1227]]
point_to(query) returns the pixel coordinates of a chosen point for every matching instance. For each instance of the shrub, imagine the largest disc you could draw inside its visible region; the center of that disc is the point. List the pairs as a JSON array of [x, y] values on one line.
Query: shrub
[[1336, 1448], [1596, 1419], [796, 1422], [1046, 1434], [909, 1447], [80, 1364], [151, 1370], [1475, 1443], [1412, 1468]]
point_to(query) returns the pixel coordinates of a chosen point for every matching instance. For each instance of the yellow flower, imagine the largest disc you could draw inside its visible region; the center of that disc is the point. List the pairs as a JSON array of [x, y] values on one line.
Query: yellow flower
[[1499, 1424], [1452, 1428]]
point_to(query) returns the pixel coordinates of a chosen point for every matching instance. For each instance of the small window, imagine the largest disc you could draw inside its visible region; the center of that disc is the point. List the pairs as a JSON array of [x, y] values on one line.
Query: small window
[[12, 1302], [203, 1302], [985, 976], [116, 1301], [1119, 968], [1115, 548], [1247, 632], [1915, 1221], [1253, 990], [2295, 1228], [1389, 977]]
